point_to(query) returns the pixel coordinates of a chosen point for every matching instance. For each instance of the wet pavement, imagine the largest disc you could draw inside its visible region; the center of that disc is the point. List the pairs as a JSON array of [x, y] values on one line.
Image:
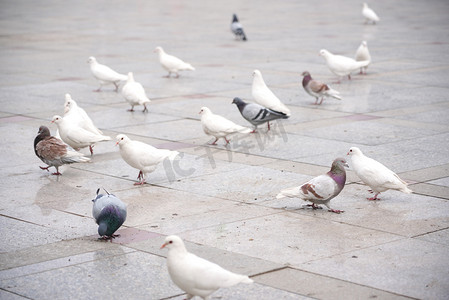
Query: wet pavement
[[221, 199]]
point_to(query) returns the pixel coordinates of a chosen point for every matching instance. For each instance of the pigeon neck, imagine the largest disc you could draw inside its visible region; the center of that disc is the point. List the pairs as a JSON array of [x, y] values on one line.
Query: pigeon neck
[[338, 175], [306, 80]]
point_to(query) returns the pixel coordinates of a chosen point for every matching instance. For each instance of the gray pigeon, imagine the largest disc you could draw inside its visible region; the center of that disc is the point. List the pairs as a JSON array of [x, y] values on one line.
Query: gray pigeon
[[256, 114], [110, 213], [321, 189], [237, 28], [54, 152]]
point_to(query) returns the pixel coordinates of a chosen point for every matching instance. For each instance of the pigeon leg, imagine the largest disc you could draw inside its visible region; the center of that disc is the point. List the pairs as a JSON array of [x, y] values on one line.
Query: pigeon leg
[[227, 141], [214, 142], [349, 76], [322, 98], [45, 168], [254, 130], [268, 126], [57, 172], [316, 101], [314, 206], [132, 108], [116, 86], [168, 75], [144, 108], [140, 175], [98, 90], [374, 198], [337, 211], [177, 75], [91, 149]]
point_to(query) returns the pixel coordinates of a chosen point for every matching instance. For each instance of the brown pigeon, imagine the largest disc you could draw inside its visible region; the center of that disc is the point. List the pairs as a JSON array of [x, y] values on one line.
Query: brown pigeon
[[318, 89]]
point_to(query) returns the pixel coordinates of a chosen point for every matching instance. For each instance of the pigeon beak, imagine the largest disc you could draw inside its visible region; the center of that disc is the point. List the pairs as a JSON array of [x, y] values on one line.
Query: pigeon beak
[[116, 143], [346, 165], [163, 246]]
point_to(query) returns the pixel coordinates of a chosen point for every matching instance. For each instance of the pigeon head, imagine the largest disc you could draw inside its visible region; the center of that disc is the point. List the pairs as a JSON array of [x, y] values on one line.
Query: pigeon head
[[234, 18], [98, 195], [158, 49], [122, 139], [69, 103], [56, 119], [364, 44], [256, 73], [239, 102], [204, 111], [173, 242], [91, 60], [44, 131], [338, 165], [130, 77], [365, 5], [305, 73], [354, 151], [324, 53]]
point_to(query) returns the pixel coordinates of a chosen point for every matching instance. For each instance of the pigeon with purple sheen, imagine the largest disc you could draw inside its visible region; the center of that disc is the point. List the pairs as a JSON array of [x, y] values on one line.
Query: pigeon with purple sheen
[[54, 152], [109, 212], [321, 189], [318, 89], [237, 28], [257, 114]]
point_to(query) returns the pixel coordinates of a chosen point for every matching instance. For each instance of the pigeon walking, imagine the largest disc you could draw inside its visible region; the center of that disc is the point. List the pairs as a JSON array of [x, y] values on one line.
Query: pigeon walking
[[257, 114], [195, 275], [218, 126], [109, 213], [318, 89], [374, 174], [54, 152], [142, 156], [369, 14], [321, 189], [362, 54], [237, 28], [171, 63], [74, 113], [134, 93], [76, 136], [342, 65], [264, 96], [104, 74]]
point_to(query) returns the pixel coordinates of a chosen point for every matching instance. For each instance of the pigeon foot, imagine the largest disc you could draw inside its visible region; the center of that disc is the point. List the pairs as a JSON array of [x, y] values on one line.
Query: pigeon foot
[[45, 168], [314, 206], [337, 211], [91, 149]]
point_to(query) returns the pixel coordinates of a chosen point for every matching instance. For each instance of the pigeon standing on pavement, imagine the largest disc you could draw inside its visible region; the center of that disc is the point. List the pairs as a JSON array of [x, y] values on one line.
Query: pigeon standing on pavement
[[109, 213], [321, 189], [171, 63], [369, 14], [342, 65], [257, 114], [104, 74], [74, 113], [362, 54], [264, 96], [318, 89], [374, 174], [195, 275], [54, 152], [134, 93], [218, 126], [76, 136], [142, 156], [237, 28]]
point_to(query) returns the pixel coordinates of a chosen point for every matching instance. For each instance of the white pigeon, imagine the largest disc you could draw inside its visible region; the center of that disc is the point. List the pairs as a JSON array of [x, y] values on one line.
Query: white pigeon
[[218, 126], [369, 14], [75, 136], [264, 96], [321, 189], [76, 114], [171, 63], [374, 174], [195, 275], [362, 54], [342, 65], [134, 93], [142, 156], [104, 74]]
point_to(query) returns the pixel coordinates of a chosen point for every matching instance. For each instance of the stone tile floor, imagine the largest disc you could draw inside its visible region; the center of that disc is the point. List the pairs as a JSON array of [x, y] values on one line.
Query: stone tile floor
[[221, 199]]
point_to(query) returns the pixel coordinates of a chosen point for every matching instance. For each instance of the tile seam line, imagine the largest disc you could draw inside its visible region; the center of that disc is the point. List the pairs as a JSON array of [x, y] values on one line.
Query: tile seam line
[[14, 293], [437, 230]]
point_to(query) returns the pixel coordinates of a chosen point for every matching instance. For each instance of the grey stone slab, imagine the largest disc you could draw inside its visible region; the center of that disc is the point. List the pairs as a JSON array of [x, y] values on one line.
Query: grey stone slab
[[391, 267], [10, 296], [439, 237], [84, 280], [439, 116], [294, 238], [442, 181], [432, 190], [320, 287]]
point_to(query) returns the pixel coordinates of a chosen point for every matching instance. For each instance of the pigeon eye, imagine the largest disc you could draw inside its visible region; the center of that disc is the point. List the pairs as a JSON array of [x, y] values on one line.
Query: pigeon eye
[[170, 242]]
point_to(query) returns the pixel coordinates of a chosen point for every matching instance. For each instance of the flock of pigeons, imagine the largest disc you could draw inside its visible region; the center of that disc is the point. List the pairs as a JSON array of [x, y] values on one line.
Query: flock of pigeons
[[194, 275]]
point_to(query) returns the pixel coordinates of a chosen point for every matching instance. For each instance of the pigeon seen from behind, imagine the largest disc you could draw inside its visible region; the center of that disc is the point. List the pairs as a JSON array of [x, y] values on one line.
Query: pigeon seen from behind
[[171, 63], [362, 54], [237, 28], [256, 114], [142, 156], [134, 93], [318, 89], [342, 65], [264, 96], [321, 189], [218, 126], [195, 275], [374, 174], [369, 14], [54, 152], [104, 74], [74, 113], [109, 213]]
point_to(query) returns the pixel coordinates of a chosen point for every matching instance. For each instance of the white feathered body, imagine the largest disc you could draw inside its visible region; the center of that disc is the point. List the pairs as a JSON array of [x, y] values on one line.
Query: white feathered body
[[200, 277], [134, 93], [265, 97], [219, 126], [104, 74], [342, 65], [362, 54], [75, 114], [378, 177], [369, 14], [144, 157], [173, 64]]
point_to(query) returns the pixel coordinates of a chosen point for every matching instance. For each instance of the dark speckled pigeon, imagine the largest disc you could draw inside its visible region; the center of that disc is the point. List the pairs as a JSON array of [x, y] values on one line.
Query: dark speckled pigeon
[[109, 213], [54, 152], [321, 189], [257, 114], [237, 28], [318, 89]]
